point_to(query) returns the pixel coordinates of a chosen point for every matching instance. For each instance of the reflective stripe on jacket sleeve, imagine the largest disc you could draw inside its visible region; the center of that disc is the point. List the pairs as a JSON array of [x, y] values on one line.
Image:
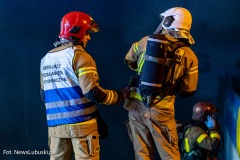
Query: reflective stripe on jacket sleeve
[[89, 81]]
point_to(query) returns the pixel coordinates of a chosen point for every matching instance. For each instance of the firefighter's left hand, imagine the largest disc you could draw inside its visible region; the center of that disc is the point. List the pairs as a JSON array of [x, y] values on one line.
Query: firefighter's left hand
[[126, 92], [102, 128], [210, 123]]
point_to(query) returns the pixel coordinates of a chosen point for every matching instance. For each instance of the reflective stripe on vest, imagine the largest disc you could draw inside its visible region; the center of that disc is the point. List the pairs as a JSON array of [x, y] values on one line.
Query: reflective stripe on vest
[[64, 100]]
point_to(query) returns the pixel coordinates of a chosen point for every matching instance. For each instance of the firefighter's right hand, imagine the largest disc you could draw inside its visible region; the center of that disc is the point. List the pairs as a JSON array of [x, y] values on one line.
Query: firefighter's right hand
[[210, 122]]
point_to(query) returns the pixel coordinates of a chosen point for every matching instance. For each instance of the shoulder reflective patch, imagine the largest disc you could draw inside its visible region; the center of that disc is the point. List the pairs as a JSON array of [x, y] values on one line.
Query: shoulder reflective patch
[[179, 53], [214, 135], [201, 137]]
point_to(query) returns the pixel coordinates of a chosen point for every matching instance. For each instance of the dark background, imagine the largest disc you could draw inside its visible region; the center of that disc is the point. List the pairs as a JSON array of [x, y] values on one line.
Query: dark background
[[29, 28]]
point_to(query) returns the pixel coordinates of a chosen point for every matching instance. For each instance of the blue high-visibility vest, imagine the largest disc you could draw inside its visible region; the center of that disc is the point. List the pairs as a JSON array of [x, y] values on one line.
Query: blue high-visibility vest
[[64, 100]]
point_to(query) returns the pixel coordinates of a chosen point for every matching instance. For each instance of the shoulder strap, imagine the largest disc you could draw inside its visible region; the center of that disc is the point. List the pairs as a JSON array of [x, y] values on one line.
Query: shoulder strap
[[175, 45], [172, 59]]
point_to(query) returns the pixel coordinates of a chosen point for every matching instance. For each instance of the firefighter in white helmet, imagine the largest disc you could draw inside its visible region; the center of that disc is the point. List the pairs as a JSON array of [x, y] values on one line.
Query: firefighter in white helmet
[[70, 91], [176, 22], [165, 65]]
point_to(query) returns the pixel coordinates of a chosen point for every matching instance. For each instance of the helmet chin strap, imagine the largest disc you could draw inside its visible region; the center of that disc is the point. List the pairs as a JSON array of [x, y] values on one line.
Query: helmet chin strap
[[60, 41], [159, 28], [81, 43]]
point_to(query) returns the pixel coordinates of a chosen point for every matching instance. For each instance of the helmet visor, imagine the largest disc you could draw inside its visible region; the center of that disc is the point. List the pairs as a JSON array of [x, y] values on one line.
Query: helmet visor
[[167, 21], [93, 27]]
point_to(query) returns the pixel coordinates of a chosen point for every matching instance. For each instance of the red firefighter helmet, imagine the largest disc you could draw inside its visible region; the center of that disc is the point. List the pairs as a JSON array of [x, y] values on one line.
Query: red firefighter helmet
[[202, 109], [74, 25]]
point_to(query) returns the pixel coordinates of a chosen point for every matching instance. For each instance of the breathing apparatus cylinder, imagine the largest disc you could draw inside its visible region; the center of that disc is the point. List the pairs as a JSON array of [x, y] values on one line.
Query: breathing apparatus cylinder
[[152, 75]]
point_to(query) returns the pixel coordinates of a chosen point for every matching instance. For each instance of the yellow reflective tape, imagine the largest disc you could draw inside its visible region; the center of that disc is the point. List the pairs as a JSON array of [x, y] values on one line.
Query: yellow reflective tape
[[109, 97], [238, 132], [188, 130], [85, 122], [193, 68], [135, 47], [186, 145], [135, 69], [214, 135], [136, 96], [192, 72], [201, 137], [141, 62], [87, 68], [108, 93], [82, 73]]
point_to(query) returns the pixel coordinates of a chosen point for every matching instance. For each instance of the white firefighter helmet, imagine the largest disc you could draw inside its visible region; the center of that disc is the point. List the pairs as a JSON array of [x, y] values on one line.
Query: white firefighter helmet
[[176, 17], [177, 23]]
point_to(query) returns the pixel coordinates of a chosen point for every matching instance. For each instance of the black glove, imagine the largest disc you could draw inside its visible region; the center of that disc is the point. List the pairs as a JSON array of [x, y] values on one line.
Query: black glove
[[134, 81], [102, 128]]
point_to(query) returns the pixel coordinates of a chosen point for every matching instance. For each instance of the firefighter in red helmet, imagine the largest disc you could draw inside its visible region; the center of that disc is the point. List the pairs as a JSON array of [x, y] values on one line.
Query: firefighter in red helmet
[[75, 25], [201, 134], [70, 91]]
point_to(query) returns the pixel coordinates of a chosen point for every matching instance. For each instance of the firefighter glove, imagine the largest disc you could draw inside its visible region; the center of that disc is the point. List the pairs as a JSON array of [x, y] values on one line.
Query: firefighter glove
[[210, 122], [126, 92], [102, 128]]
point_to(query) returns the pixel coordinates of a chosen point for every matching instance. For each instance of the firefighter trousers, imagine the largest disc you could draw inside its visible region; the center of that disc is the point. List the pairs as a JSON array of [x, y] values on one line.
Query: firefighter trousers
[[82, 140], [146, 133]]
